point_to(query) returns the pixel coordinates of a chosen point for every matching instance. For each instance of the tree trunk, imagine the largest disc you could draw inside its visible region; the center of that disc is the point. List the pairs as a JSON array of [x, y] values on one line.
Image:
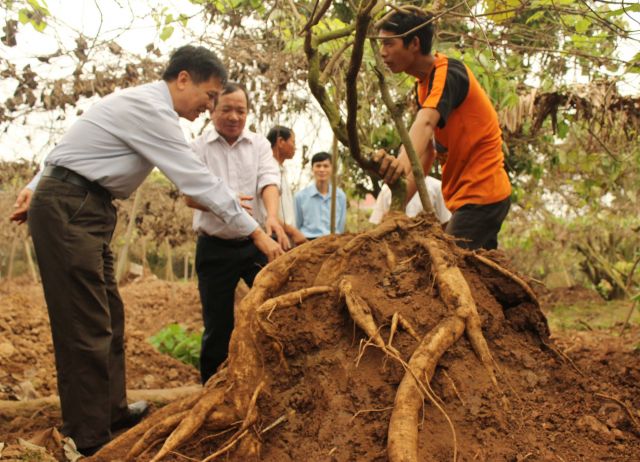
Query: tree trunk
[[168, 269], [12, 255], [29, 258], [334, 182], [123, 257]]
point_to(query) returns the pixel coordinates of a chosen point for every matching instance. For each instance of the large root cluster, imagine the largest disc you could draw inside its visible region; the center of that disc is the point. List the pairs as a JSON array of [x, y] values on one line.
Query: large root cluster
[[347, 332]]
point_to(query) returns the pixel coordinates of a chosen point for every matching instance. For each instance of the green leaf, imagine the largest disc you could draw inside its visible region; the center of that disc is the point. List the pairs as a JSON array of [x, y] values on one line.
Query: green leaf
[[23, 16], [583, 25], [562, 157], [39, 25], [633, 8], [167, 31], [634, 64], [168, 19], [535, 16], [563, 129], [178, 343]]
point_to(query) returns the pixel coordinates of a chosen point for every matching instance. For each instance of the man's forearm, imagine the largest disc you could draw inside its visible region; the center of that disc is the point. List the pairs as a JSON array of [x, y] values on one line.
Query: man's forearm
[[421, 134], [294, 233], [194, 205], [271, 199]]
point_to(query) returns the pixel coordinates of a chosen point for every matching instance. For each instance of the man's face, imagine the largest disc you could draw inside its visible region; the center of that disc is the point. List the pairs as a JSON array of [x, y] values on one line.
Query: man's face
[[287, 147], [321, 170], [230, 114], [393, 52], [197, 97]]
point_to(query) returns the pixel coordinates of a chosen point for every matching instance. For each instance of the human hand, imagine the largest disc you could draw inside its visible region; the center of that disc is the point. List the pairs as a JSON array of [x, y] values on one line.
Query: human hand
[[391, 168], [21, 206], [298, 238], [266, 245], [272, 225]]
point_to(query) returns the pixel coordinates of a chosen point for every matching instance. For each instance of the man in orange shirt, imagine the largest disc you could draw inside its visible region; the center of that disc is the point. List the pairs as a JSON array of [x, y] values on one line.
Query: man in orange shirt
[[457, 120]]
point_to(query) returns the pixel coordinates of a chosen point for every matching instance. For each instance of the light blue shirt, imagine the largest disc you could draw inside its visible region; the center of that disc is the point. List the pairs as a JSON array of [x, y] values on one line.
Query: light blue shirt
[[119, 140], [313, 211]]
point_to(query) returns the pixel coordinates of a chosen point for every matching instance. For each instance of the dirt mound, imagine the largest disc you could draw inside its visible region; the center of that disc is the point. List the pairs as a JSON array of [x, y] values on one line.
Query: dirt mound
[[304, 381], [26, 350]]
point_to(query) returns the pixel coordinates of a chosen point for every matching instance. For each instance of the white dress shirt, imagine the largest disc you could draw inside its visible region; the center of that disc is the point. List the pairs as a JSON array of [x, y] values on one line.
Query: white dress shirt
[[414, 207], [119, 140], [246, 166], [287, 211]]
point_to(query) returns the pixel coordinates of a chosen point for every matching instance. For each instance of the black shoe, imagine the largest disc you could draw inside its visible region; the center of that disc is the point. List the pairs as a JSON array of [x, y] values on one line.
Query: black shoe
[[91, 450], [135, 413]]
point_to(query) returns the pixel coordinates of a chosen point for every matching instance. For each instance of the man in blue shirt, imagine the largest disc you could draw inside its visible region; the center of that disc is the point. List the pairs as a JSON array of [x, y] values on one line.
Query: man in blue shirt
[[313, 203]]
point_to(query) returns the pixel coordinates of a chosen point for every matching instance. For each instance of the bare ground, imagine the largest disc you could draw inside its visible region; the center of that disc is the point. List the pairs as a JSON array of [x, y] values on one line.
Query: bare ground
[[556, 412]]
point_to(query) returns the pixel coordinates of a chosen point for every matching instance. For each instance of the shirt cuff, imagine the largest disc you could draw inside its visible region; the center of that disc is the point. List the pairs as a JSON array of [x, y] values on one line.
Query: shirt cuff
[[244, 224], [269, 180], [33, 184]]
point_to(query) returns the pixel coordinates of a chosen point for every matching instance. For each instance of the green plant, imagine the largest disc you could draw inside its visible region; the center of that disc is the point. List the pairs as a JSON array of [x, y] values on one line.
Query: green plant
[[176, 341]]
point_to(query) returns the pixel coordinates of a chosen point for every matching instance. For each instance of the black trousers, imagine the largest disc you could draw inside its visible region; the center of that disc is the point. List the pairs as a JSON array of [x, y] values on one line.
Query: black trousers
[[220, 264], [478, 225], [71, 229]]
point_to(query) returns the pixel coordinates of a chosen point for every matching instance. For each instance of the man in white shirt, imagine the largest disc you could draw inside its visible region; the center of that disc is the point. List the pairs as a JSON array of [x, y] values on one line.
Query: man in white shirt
[[244, 161], [283, 146], [414, 207], [107, 153]]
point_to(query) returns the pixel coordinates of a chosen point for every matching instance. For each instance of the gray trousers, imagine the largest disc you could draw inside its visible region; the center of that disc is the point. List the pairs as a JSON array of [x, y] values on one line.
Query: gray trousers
[[71, 229]]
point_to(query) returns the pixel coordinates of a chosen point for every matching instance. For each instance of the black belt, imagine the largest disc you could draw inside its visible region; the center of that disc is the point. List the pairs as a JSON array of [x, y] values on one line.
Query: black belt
[[226, 242], [69, 176]]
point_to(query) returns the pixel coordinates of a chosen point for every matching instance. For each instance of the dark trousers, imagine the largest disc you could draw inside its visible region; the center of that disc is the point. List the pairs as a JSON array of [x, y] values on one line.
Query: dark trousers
[[220, 264], [71, 229], [478, 225]]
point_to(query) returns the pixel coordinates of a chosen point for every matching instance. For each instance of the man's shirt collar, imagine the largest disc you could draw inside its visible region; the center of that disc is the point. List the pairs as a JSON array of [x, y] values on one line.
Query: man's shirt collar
[[315, 192], [212, 135]]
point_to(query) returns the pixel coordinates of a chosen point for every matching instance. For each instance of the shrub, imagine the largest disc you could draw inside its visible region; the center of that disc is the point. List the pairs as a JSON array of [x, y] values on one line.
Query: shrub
[[178, 343]]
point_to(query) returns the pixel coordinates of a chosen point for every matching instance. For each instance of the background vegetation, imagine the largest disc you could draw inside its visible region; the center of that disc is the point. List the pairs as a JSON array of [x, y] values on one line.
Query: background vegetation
[[563, 76]]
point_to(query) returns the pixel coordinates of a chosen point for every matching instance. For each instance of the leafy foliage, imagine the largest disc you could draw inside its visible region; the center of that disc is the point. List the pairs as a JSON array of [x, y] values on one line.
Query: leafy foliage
[[571, 150], [178, 343]]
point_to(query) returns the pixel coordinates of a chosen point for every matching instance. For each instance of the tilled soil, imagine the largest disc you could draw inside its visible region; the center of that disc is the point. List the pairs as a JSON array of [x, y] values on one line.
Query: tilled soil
[[26, 351], [554, 411]]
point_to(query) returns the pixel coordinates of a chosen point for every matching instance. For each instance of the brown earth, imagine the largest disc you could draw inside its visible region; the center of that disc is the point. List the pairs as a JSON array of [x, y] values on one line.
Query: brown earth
[[337, 398], [27, 369]]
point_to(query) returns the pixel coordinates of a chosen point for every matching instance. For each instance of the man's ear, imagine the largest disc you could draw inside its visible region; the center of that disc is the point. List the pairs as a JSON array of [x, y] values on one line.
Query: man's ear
[[415, 43], [183, 79]]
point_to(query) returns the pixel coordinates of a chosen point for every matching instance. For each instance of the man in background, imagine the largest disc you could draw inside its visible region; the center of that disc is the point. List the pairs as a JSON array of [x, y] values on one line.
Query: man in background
[[244, 161], [283, 146], [313, 203], [414, 206], [107, 153]]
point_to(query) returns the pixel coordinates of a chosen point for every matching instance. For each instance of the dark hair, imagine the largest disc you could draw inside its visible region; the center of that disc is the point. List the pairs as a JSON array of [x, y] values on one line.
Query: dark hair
[[200, 62], [278, 132], [232, 87], [401, 22], [320, 157]]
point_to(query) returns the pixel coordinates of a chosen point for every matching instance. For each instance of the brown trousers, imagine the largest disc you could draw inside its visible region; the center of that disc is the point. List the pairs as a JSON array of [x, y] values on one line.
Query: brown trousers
[[71, 229]]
